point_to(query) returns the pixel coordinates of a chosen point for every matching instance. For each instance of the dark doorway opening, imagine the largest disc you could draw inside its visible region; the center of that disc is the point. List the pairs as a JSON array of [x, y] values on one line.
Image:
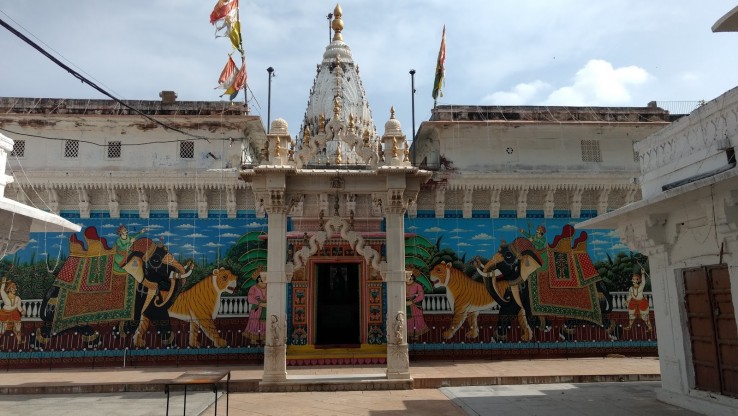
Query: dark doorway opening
[[338, 317]]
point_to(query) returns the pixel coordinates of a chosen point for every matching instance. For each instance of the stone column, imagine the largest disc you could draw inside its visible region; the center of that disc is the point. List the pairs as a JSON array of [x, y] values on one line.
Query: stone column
[[398, 360], [275, 350]]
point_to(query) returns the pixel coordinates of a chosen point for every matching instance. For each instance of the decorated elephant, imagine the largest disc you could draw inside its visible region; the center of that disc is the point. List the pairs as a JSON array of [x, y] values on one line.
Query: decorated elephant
[[532, 280], [89, 289]]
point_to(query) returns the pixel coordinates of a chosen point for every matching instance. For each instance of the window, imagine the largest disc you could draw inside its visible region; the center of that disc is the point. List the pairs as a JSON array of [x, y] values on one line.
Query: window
[[71, 148], [19, 149], [635, 153], [114, 149], [187, 149], [591, 151]]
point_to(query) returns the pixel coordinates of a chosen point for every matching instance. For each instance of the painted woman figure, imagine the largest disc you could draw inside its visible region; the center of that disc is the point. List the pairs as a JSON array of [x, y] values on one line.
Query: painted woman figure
[[414, 295], [123, 247], [256, 326], [12, 310]]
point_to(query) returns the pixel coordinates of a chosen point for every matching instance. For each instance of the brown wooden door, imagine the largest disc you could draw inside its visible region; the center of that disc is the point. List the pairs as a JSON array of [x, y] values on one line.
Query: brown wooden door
[[712, 327]]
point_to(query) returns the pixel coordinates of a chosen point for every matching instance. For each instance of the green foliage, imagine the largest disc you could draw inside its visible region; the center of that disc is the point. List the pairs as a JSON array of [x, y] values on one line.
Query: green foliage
[[245, 258], [617, 272], [33, 280]]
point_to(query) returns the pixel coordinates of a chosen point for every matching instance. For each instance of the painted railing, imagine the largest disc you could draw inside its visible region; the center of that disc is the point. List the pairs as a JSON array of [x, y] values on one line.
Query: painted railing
[[238, 306]]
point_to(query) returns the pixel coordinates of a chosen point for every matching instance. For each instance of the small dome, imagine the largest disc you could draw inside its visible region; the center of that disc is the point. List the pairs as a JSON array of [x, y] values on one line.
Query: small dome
[[392, 127], [279, 126]]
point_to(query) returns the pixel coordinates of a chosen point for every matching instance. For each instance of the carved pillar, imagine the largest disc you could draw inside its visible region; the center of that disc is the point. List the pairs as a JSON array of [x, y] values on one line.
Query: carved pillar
[[576, 202], [631, 193], [84, 202], [494, 203], [602, 201], [468, 202], [113, 203], [440, 201], [398, 364], [172, 202], [143, 202], [523, 203], [275, 351], [548, 203], [231, 208], [202, 203]]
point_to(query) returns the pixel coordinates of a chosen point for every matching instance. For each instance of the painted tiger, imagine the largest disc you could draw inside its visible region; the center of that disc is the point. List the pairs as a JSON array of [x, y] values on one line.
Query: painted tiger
[[199, 304], [466, 296]]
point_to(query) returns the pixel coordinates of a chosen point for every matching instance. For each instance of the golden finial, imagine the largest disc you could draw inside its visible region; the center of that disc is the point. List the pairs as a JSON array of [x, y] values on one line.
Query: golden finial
[[336, 107], [322, 123], [291, 152], [351, 121], [366, 138], [337, 24], [265, 151], [338, 154], [392, 112], [380, 153], [407, 153], [394, 147]]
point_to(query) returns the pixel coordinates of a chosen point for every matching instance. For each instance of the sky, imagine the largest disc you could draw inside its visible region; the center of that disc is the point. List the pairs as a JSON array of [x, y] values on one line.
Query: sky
[[525, 52]]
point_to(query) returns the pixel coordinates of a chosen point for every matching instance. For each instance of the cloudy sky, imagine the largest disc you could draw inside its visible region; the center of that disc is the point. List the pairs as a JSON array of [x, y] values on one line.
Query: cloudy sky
[[591, 53]]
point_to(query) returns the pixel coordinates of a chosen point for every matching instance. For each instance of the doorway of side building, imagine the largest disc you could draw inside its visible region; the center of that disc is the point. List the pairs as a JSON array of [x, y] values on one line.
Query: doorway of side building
[[712, 328], [338, 306]]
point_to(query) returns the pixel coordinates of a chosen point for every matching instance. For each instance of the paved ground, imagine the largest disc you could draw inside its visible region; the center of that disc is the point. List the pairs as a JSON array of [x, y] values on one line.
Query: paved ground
[[561, 399], [612, 386]]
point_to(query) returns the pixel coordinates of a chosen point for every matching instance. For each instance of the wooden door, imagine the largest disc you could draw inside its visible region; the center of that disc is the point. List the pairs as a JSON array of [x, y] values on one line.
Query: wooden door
[[712, 326]]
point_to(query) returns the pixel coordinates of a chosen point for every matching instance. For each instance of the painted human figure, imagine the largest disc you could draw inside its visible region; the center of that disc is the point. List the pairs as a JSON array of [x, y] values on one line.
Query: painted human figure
[[12, 310], [256, 326], [414, 295], [123, 247], [538, 239], [637, 302]]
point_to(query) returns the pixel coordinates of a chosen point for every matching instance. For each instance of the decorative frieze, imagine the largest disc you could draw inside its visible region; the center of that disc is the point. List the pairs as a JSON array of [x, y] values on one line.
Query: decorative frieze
[[522, 202], [172, 203]]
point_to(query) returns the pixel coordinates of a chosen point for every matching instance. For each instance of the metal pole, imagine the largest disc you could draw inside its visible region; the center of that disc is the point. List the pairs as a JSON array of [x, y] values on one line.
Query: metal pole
[[412, 90], [270, 70]]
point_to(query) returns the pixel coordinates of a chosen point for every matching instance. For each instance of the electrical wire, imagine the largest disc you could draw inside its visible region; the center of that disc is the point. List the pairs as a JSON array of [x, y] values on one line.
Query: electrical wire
[[83, 79]]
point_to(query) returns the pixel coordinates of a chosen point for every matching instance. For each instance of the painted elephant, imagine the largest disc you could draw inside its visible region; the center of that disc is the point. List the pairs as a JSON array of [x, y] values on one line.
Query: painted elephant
[[604, 298], [506, 278], [88, 290]]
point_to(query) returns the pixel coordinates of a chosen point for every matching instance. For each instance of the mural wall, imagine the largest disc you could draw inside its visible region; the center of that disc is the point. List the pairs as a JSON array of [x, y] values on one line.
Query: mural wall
[[158, 289]]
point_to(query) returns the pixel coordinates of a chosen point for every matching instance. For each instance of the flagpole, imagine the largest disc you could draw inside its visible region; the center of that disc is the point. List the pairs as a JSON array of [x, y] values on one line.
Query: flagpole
[[412, 95]]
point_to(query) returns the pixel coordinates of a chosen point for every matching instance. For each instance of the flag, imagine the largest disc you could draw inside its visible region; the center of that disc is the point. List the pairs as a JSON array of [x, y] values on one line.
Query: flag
[[222, 9], [228, 75], [225, 19], [440, 68], [238, 82]]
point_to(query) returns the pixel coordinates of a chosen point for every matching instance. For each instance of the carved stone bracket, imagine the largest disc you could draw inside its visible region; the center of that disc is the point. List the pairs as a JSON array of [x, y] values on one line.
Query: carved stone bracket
[[53, 200], [602, 201], [440, 201], [522, 203], [231, 207], [202, 202], [576, 202], [84, 202], [113, 203], [494, 202], [143, 202], [647, 234], [548, 204], [468, 202], [172, 202]]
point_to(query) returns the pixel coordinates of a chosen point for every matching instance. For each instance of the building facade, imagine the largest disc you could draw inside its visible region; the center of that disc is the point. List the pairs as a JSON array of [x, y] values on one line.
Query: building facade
[[204, 238]]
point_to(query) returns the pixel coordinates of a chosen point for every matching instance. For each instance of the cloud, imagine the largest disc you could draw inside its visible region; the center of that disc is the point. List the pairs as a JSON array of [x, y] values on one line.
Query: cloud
[[212, 244], [255, 224], [185, 226], [508, 227], [108, 225], [620, 246], [166, 234], [457, 237], [222, 227], [412, 227], [195, 235], [463, 244], [521, 94], [459, 230], [230, 235], [33, 240], [599, 83], [133, 224], [154, 226], [483, 236], [598, 242], [434, 230]]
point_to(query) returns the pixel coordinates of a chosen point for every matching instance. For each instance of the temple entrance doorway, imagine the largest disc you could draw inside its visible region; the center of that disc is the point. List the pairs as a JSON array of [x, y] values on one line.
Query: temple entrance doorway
[[338, 306]]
